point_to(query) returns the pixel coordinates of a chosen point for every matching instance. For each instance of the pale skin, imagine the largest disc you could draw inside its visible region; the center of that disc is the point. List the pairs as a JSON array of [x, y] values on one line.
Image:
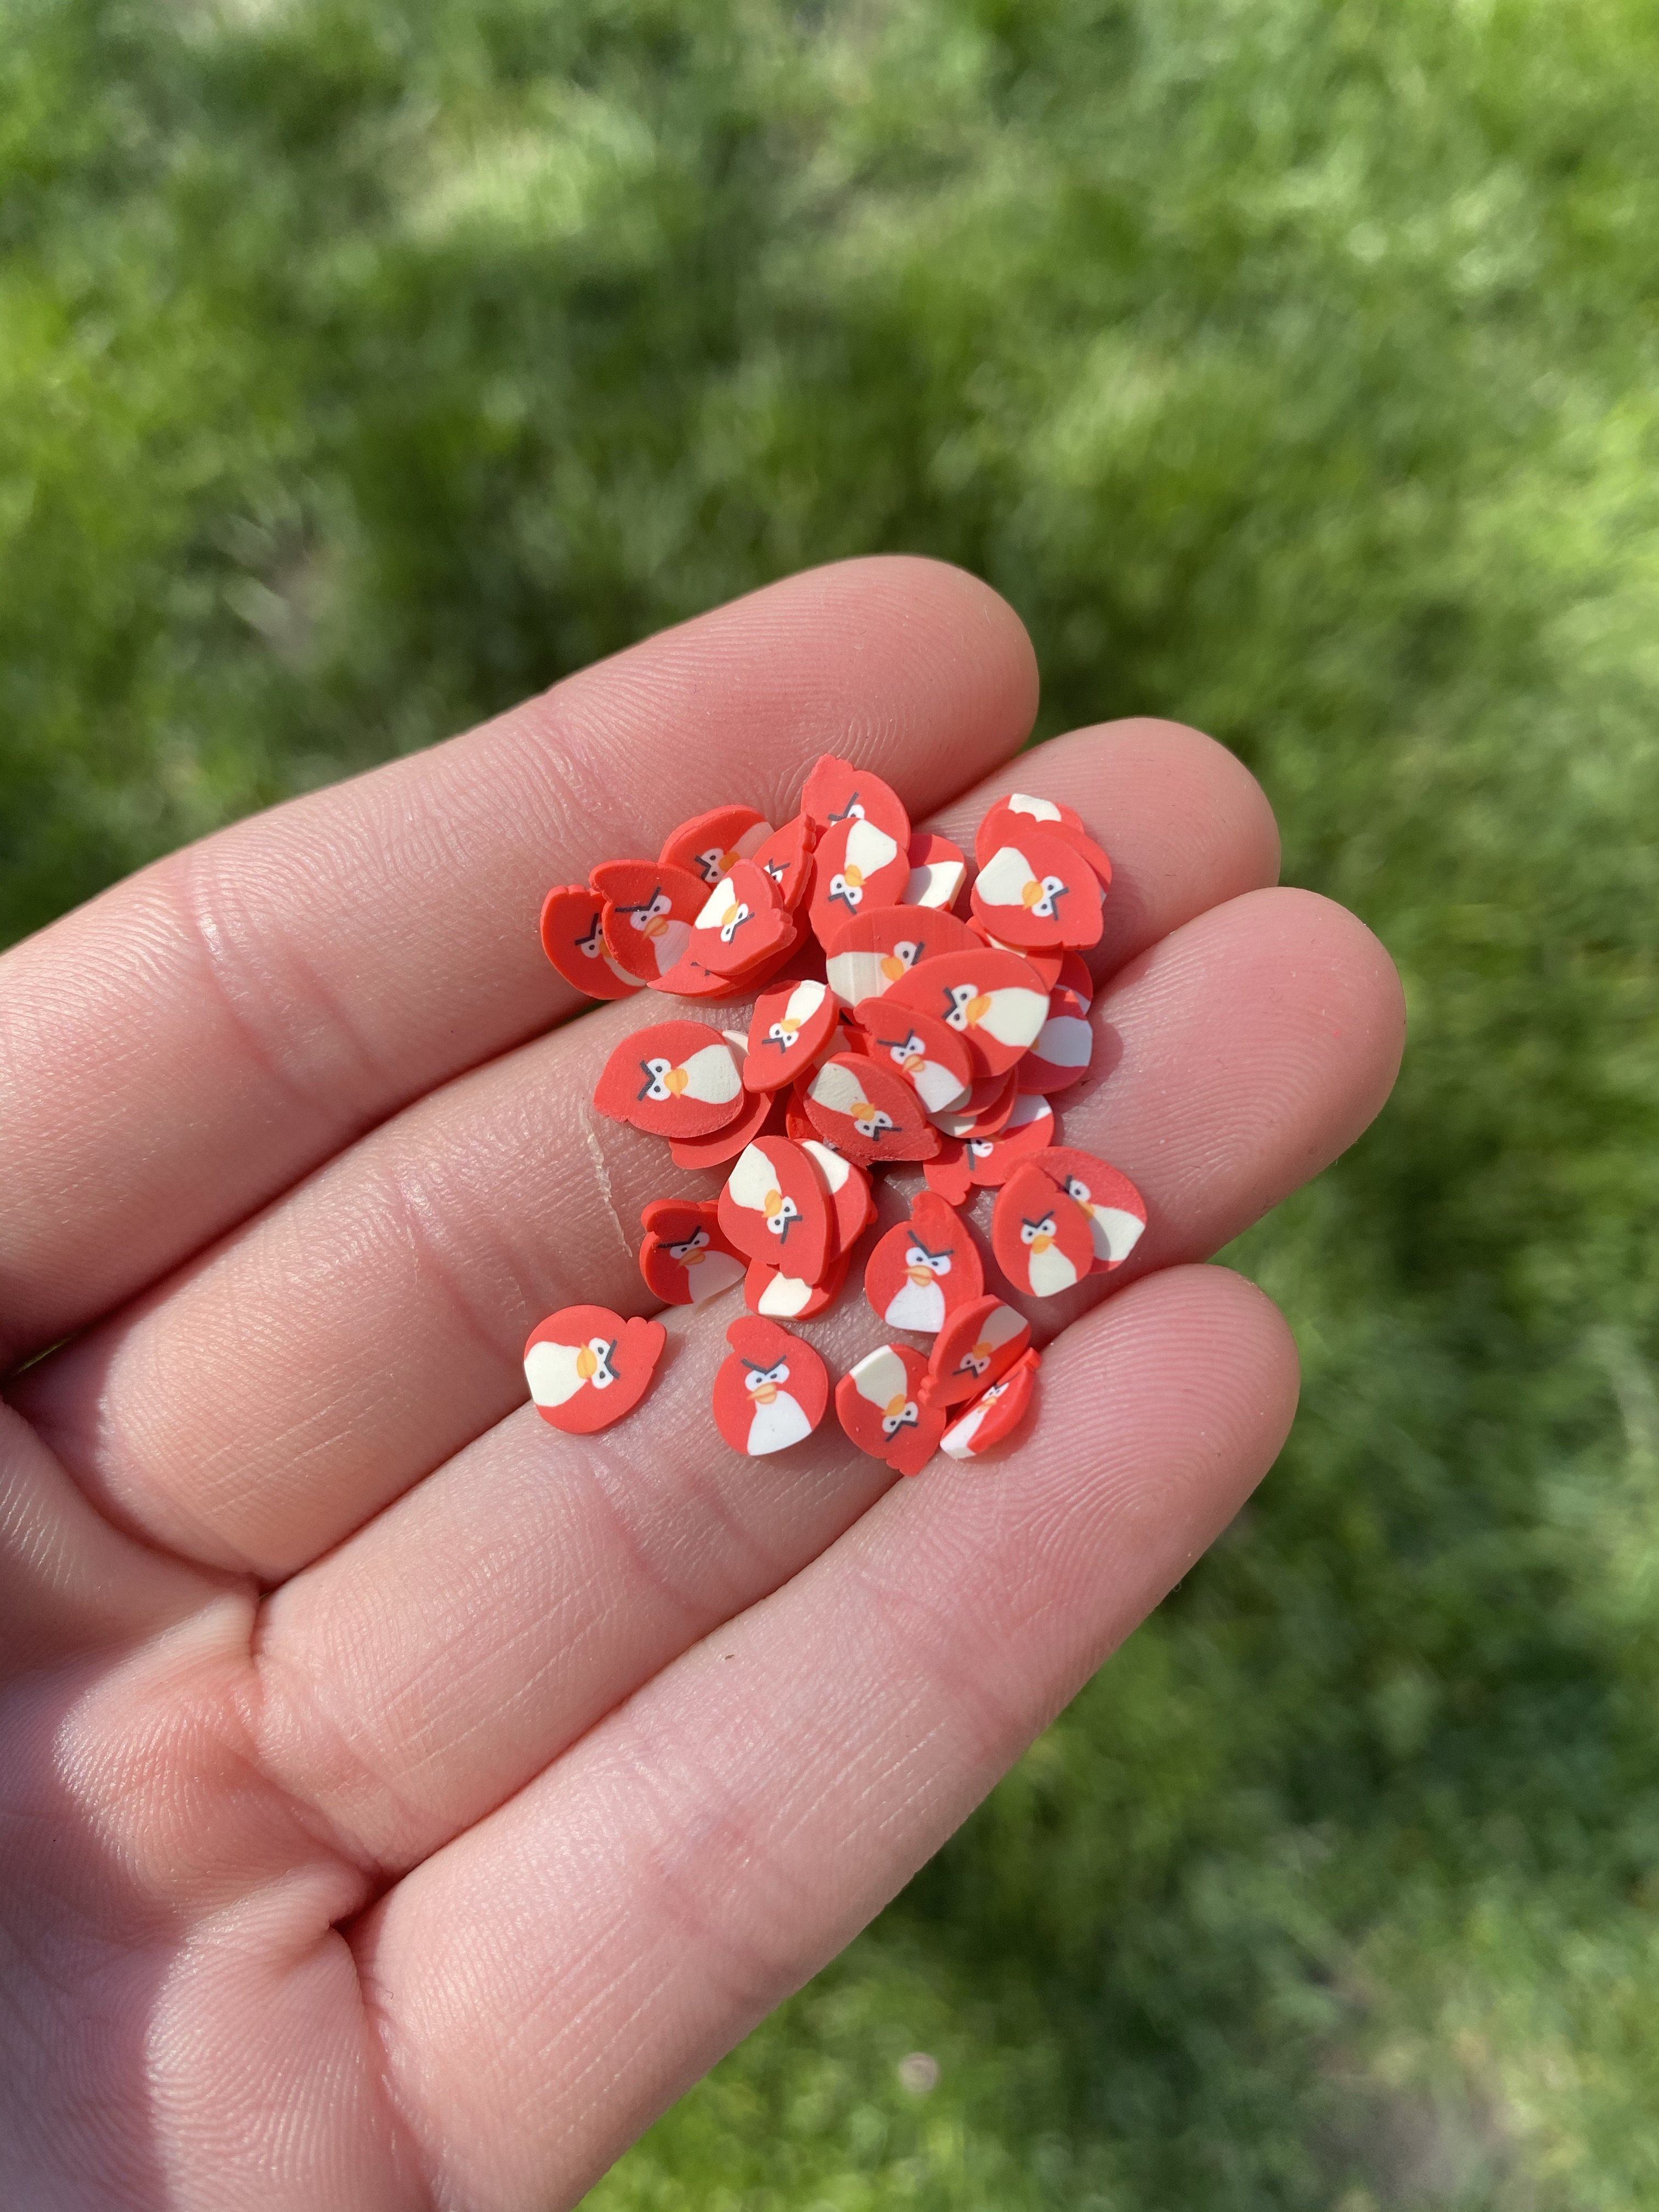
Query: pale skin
[[400, 1802]]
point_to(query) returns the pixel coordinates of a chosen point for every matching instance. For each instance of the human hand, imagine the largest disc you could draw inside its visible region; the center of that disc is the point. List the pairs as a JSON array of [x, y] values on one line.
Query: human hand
[[402, 1802]]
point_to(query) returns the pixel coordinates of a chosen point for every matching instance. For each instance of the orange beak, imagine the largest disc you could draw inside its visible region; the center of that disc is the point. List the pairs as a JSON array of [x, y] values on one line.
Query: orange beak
[[766, 1394]]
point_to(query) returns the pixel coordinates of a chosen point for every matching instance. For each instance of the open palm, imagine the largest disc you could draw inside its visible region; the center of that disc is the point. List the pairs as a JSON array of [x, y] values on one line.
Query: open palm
[[400, 1801]]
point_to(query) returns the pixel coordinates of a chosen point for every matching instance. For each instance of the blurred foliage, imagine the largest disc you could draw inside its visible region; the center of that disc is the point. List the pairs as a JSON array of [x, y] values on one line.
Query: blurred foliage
[[1291, 366]]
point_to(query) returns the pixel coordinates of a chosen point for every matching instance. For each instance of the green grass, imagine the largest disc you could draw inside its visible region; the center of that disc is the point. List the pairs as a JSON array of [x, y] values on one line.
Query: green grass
[[1291, 366]]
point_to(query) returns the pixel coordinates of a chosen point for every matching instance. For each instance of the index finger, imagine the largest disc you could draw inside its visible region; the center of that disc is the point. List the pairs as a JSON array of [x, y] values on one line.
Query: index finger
[[189, 1044]]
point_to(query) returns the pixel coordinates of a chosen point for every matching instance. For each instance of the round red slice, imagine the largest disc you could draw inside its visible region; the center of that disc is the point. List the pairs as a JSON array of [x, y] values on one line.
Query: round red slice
[[787, 858], [776, 1294], [934, 1060], [1033, 888], [672, 1079], [851, 1204], [939, 870], [975, 1348], [791, 1029], [868, 954], [837, 791], [774, 1209], [797, 1125], [1029, 1130], [772, 1392], [1043, 960], [995, 1415], [991, 999], [1042, 1238], [573, 938], [883, 1405], [1022, 809], [949, 1173], [648, 912], [924, 1269], [986, 1108], [739, 924], [586, 1366], [868, 1112], [856, 869], [755, 1120], [711, 845], [685, 1258], [1116, 1210], [1064, 1047], [1075, 974]]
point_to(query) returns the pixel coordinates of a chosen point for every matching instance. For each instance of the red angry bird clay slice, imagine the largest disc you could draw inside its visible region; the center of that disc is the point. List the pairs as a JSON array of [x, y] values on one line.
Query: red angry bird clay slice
[[991, 999], [573, 938], [685, 1258], [837, 791], [986, 1108], [648, 913], [976, 1347], [786, 860], [754, 1119], [737, 928], [869, 1113], [672, 1079], [1075, 974], [1115, 1210], [882, 1405], [772, 1392], [869, 954], [1064, 1047], [774, 1209], [856, 869], [1028, 1130], [586, 1366], [925, 1269], [950, 1172], [939, 870], [1036, 888], [1043, 960], [852, 1204], [995, 1415], [1021, 811], [711, 845], [791, 1030], [1041, 1237], [934, 1059], [776, 1294]]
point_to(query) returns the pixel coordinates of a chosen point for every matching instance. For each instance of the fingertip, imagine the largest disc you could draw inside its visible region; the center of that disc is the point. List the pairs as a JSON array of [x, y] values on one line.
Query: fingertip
[[1205, 775], [1365, 1009], [963, 634]]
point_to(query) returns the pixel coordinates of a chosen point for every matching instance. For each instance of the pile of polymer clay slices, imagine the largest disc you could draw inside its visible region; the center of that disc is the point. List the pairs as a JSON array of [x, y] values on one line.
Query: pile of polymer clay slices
[[889, 1027]]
